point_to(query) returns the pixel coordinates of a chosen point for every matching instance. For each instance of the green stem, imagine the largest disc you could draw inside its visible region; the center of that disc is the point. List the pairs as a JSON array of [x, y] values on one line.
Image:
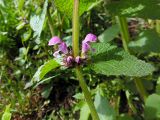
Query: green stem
[[124, 31], [87, 94], [141, 89], [76, 28], [125, 39], [50, 23], [79, 74]]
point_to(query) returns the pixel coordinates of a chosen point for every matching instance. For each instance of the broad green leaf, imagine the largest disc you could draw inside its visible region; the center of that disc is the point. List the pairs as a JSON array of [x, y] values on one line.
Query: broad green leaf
[[109, 60], [147, 41], [66, 6], [152, 107], [135, 8], [7, 115], [109, 34], [37, 21], [105, 111], [42, 71]]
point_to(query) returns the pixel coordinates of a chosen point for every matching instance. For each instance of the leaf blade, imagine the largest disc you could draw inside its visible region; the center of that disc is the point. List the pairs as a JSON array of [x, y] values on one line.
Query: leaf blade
[[42, 71], [109, 60]]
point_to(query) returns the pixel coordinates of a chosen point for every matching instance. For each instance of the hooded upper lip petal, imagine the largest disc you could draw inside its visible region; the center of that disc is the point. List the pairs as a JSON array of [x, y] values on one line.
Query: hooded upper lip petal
[[54, 40]]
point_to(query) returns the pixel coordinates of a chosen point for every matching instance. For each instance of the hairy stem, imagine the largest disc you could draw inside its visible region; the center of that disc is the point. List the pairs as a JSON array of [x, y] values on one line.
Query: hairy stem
[[75, 45], [87, 94], [76, 28]]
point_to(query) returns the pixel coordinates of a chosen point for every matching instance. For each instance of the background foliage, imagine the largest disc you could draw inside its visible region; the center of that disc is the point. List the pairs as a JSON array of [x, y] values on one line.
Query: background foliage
[[34, 86]]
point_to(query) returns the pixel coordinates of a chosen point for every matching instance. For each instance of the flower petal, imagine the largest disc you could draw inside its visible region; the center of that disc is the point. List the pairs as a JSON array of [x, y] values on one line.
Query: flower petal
[[63, 48], [54, 40], [56, 54], [90, 38], [85, 47]]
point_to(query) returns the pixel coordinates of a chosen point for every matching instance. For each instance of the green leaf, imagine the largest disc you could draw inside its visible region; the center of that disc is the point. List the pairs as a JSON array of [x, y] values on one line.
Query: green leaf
[[66, 6], [105, 111], [109, 60], [20, 25], [147, 41], [152, 107], [26, 35], [7, 115], [135, 8], [109, 34], [84, 112], [46, 91], [21, 4], [45, 81], [37, 21], [42, 71]]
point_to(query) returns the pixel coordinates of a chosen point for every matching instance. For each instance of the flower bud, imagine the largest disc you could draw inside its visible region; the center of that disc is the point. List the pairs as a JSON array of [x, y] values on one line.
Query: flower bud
[[78, 59], [69, 60]]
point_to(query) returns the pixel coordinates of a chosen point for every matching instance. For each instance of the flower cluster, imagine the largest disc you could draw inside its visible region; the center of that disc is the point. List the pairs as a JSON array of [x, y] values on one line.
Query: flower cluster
[[66, 54]]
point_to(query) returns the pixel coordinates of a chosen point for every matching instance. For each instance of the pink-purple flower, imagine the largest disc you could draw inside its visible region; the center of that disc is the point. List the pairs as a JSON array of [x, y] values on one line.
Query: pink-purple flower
[[54, 41], [63, 48], [70, 59], [86, 43], [90, 38], [85, 47], [66, 54]]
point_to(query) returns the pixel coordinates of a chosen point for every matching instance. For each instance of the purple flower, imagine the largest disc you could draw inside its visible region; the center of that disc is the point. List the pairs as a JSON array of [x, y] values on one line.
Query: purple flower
[[63, 48], [64, 55], [54, 40], [90, 38], [69, 60], [85, 47], [78, 59], [86, 42]]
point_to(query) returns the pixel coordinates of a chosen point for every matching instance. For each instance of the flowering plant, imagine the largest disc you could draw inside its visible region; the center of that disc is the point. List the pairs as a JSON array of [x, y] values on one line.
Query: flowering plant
[[66, 55], [107, 60]]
